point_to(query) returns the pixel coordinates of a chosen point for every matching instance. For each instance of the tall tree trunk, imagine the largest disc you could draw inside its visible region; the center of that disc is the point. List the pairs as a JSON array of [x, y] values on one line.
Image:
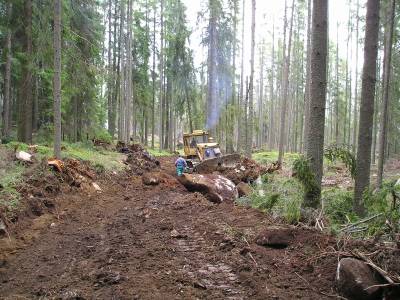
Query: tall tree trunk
[[115, 77], [231, 114], [57, 79], [356, 83], [337, 87], [385, 97], [129, 102], [285, 92], [25, 117], [109, 74], [307, 95], [271, 136], [315, 138], [161, 133], [212, 114], [7, 81], [240, 131], [121, 77], [367, 105], [249, 142], [153, 104], [260, 139]]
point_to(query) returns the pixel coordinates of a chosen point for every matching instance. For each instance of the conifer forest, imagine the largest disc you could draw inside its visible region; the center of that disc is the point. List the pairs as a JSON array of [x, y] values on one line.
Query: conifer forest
[[210, 149]]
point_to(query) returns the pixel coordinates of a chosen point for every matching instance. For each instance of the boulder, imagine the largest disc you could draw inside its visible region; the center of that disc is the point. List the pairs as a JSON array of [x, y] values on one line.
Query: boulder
[[354, 279], [3, 228], [275, 237], [215, 187], [243, 189], [23, 156], [150, 179]]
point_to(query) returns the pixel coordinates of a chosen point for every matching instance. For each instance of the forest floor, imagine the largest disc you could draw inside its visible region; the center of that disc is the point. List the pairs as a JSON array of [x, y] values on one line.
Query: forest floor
[[132, 241]]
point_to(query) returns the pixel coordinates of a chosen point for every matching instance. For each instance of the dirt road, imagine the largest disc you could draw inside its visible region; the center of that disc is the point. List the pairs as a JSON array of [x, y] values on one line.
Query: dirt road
[[137, 242]]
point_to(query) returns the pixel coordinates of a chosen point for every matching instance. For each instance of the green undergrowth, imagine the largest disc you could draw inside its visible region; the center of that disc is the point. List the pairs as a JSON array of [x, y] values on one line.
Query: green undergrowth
[[158, 153], [380, 207], [278, 196], [10, 178], [267, 157], [99, 158]]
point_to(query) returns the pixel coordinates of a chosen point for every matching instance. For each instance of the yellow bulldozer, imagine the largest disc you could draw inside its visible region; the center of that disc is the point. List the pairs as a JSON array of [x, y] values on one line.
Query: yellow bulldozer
[[203, 155]]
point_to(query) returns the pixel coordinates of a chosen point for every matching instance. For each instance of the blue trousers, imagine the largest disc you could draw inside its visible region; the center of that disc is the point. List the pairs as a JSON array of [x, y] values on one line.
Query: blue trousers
[[179, 170]]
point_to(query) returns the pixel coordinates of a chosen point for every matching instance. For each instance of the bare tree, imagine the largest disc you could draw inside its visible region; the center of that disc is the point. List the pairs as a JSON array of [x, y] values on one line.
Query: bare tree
[[285, 92], [7, 80], [315, 137], [249, 141], [308, 75], [367, 105], [385, 97], [57, 78]]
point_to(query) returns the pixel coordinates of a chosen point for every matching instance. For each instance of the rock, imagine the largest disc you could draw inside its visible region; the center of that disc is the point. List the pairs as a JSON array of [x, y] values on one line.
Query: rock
[[23, 156], [354, 277], [216, 188], [96, 187], [3, 228], [275, 237], [243, 189], [175, 234], [150, 179]]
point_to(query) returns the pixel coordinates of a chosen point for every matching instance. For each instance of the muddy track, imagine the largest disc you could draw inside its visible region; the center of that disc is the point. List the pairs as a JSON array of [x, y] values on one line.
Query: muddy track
[[138, 242]]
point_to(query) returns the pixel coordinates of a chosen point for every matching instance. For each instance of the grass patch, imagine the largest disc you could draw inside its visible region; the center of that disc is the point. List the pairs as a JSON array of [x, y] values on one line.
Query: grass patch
[[267, 157], [277, 195], [101, 159], [10, 178], [158, 153]]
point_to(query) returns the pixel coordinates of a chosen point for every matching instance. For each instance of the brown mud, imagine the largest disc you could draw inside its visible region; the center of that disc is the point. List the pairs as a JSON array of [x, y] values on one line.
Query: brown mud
[[133, 241]]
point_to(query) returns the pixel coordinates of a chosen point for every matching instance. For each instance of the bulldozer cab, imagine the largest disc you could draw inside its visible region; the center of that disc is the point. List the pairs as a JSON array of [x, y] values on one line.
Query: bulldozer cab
[[203, 154], [200, 145]]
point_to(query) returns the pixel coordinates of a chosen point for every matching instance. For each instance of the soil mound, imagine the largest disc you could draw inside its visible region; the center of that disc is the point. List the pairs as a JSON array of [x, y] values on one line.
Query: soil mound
[[139, 160], [247, 170]]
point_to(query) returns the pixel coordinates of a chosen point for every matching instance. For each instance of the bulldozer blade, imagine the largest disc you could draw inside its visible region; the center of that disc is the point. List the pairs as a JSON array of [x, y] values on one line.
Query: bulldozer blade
[[214, 164]]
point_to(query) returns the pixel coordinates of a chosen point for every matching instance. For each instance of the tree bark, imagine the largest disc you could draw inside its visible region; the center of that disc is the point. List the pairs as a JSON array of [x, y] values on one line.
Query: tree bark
[[129, 102], [110, 74], [315, 138], [249, 142], [25, 117], [271, 136], [57, 79], [212, 114], [7, 80], [240, 131], [285, 92], [367, 105], [337, 87], [161, 133], [385, 97], [153, 104], [356, 83]]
